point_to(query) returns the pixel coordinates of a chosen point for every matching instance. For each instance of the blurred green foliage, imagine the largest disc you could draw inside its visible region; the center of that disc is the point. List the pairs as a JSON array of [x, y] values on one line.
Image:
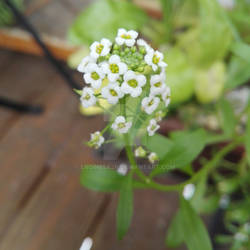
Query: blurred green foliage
[[6, 17]]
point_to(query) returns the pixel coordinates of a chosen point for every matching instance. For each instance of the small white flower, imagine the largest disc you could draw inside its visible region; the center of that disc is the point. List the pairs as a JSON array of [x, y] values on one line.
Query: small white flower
[[133, 83], [121, 125], [96, 139], [122, 169], [159, 115], [154, 59], [157, 83], [152, 157], [84, 63], [150, 104], [86, 244], [126, 37], [100, 49], [140, 152], [94, 75], [88, 99], [141, 42], [152, 127], [112, 93], [227, 4], [241, 237], [166, 96], [114, 68], [188, 191]]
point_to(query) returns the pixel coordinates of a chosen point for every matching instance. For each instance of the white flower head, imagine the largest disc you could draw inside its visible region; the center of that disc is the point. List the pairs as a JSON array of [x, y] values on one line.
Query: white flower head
[[94, 75], [154, 59], [166, 96], [152, 157], [188, 191], [122, 169], [150, 104], [121, 125], [152, 127], [112, 92], [143, 43], [126, 37], [159, 115], [157, 83], [96, 139], [140, 152], [84, 63], [133, 83], [114, 68], [102, 48], [88, 99]]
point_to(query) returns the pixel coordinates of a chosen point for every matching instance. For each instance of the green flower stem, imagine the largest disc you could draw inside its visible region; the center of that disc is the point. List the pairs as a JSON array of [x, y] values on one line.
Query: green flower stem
[[178, 187]]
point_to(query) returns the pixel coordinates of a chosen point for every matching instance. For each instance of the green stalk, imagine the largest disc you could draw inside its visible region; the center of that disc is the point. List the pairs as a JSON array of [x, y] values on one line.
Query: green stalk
[[213, 163]]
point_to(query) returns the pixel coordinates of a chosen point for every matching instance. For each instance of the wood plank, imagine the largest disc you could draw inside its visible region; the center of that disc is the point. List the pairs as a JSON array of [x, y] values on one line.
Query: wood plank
[[32, 140], [20, 83], [61, 210], [153, 211], [54, 19], [21, 41]]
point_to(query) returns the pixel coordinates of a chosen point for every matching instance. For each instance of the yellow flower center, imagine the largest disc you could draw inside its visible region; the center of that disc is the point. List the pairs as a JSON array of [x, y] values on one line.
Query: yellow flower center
[[158, 84], [155, 59], [126, 36], [151, 102], [133, 83], [113, 92], [95, 76], [86, 97], [121, 125], [99, 48], [114, 68]]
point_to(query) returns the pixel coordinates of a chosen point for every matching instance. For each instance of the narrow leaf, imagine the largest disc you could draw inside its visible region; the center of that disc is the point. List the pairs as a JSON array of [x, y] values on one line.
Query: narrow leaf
[[184, 150], [157, 143], [242, 50], [238, 73], [174, 235], [100, 178], [247, 138], [228, 119], [125, 207], [194, 232]]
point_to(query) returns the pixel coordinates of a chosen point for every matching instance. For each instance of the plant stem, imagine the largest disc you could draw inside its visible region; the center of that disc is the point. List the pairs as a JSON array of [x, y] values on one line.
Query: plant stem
[[209, 166]]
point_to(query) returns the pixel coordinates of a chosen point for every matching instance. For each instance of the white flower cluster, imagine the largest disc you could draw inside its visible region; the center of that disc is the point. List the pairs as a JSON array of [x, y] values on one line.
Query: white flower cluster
[[127, 68]]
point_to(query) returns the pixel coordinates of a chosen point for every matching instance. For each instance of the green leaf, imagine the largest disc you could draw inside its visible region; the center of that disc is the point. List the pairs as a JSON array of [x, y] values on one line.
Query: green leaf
[[194, 232], [100, 178], [125, 207], [228, 119], [78, 91], [157, 143], [238, 73], [242, 50], [103, 18], [247, 138], [184, 150], [174, 235]]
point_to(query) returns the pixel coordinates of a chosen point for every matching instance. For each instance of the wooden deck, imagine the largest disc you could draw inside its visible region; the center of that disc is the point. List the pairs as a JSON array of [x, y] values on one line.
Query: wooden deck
[[43, 205]]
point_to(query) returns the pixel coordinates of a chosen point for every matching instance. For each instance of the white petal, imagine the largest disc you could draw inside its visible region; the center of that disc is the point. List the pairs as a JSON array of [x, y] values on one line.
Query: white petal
[[87, 78], [119, 40], [113, 77], [129, 42], [121, 31], [122, 68], [133, 34], [141, 80], [114, 59]]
